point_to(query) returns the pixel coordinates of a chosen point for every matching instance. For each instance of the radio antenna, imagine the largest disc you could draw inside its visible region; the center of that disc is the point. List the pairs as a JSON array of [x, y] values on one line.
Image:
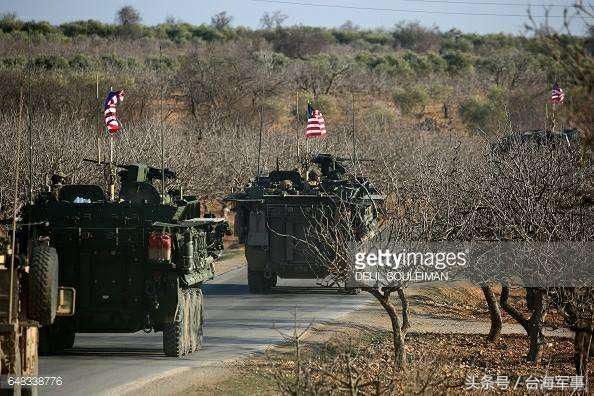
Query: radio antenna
[[30, 120], [18, 133]]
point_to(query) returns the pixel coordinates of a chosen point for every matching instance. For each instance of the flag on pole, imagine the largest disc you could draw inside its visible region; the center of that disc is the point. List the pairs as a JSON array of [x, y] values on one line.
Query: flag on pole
[[109, 106], [316, 126], [557, 94]]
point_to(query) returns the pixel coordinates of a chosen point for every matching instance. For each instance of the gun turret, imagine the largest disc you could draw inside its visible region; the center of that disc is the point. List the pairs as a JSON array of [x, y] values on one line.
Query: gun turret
[[137, 172]]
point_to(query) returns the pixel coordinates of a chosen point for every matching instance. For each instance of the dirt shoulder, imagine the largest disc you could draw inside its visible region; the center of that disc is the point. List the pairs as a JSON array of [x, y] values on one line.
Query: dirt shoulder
[[446, 345]]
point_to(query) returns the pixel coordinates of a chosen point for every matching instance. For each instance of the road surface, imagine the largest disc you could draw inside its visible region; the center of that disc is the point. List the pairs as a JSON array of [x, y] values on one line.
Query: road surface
[[237, 324]]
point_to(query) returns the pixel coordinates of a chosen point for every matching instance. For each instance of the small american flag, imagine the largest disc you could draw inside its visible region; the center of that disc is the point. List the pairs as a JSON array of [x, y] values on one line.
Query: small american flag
[[111, 120], [557, 94], [316, 126]]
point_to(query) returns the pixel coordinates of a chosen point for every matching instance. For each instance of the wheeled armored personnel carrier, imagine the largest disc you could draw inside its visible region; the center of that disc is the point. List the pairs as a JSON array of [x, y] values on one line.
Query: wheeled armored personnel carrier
[[277, 217], [136, 262]]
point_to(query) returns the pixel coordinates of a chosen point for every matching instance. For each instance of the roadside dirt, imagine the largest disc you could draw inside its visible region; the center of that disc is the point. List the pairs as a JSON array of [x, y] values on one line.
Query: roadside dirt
[[448, 328]]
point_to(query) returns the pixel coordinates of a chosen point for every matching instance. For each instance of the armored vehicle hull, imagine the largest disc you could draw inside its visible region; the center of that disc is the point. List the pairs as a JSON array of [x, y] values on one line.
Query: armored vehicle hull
[[285, 221], [135, 264]]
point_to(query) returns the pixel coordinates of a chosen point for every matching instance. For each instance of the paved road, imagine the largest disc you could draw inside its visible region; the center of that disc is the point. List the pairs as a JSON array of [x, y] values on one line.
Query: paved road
[[237, 324]]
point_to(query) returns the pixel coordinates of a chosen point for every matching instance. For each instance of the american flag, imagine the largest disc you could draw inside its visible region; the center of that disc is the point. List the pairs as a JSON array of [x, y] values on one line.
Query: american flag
[[557, 94], [111, 120], [315, 123]]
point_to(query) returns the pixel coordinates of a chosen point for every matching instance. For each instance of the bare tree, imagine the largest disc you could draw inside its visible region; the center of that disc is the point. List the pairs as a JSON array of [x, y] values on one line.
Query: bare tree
[[221, 20], [273, 21], [128, 15]]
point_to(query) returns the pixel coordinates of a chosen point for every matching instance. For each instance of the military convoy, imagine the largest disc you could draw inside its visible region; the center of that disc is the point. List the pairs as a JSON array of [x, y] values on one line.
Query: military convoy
[[134, 263], [82, 261], [276, 218]]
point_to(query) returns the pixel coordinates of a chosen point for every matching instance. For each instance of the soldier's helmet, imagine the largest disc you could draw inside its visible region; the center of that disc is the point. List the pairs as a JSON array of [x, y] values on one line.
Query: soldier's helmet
[[313, 176], [286, 185]]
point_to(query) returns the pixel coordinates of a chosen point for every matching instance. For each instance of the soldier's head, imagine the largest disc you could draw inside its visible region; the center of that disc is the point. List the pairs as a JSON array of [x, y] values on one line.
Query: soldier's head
[[286, 185]]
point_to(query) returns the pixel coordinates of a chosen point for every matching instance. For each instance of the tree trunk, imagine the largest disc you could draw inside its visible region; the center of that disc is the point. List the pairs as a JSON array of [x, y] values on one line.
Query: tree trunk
[[397, 335], [397, 338], [535, 333], [532, 325], [582, 346], [494, 313], [405, 311]]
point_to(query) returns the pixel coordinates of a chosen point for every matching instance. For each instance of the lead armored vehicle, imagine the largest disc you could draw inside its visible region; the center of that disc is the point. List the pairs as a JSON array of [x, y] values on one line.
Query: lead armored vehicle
[[135, 262], [278, 217]]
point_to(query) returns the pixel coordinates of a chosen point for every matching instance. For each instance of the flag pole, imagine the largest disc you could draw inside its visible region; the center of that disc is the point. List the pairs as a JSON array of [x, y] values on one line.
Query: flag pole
[[353, 128], [162, 138], [298, 125], [306, 138], [98, 119], [111, 168], [260, 139]]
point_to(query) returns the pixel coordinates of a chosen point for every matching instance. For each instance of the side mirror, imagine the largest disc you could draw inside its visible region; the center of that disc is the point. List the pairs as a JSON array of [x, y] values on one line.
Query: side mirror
[[66, 301]]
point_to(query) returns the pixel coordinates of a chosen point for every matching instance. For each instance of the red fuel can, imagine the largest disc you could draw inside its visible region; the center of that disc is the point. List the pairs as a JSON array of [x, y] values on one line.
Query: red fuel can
[[159, 246]]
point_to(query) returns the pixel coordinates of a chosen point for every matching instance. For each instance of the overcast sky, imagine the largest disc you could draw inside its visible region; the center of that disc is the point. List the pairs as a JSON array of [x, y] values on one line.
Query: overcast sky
[[248, 12]]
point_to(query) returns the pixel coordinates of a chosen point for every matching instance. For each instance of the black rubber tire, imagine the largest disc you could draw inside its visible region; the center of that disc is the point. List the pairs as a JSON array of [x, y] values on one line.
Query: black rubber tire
[[43, 285], [257, 282], [176, 337]]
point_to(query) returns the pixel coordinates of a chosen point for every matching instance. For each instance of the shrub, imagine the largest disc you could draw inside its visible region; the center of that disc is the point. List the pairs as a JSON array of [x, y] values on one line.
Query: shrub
[[80, 61], [49, 62], [487, 114], [458, 63], [160, 63], [381, 114], [411, 100], [12, 62]]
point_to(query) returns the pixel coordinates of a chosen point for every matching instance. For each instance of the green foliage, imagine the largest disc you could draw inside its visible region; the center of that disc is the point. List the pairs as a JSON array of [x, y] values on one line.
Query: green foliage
[[458, 63], [441, 91], [49, 62], [381, 114], [81, 62], [87, 28], [160, 63], [418, 63], [411, 100], [455, 44], [487, 114], [113, 61], [207, 33], [12, 62]]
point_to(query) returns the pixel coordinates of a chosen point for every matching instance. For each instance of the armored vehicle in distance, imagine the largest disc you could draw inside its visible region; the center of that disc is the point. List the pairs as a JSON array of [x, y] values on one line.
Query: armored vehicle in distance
[[277, 213], [136, 262]]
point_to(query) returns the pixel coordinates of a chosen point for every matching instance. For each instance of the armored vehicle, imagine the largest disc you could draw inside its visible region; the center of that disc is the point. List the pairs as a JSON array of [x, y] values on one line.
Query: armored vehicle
[[277, 217], [136, 262]]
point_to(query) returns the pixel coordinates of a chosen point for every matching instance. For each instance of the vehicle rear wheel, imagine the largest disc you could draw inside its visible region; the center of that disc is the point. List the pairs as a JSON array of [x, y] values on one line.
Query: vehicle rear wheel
[[257, 282], [43, 285], [176, 335]]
